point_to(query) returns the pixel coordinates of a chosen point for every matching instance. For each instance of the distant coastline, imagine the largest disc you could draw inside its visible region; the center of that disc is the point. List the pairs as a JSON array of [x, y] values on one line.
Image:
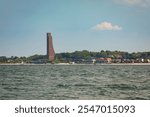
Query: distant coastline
[[83, 57], [102, 64]]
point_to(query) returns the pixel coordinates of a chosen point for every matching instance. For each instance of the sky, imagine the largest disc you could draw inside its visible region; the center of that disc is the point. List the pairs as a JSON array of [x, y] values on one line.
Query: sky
[[76, 25]]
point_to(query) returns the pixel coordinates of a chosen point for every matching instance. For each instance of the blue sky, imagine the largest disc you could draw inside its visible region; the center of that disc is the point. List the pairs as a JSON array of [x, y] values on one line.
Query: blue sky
[[92, 25]]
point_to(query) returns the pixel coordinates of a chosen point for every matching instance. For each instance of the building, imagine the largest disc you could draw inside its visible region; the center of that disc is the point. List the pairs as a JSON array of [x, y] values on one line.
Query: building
[[50, 49], [103, 60]]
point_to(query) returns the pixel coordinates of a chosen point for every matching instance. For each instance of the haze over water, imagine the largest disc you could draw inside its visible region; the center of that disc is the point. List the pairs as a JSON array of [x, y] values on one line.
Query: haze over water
[[74, 82]]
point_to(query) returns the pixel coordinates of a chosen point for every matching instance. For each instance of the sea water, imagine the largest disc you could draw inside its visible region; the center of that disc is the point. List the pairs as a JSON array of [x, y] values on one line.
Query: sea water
[[65, 82]]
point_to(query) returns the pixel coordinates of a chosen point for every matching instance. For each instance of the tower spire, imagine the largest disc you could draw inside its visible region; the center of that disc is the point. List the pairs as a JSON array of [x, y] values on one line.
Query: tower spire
[[50, 49]]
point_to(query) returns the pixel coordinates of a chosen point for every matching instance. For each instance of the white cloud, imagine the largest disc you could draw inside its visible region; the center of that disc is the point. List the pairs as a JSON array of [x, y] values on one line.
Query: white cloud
[[143, 3], [106, 26]]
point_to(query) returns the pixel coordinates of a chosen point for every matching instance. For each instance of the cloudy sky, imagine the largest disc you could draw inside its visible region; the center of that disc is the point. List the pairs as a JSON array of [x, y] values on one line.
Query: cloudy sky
[[92, 25]]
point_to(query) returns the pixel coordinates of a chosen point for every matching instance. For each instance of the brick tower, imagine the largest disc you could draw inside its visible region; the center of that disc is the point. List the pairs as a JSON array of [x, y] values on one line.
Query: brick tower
[[50, 49]]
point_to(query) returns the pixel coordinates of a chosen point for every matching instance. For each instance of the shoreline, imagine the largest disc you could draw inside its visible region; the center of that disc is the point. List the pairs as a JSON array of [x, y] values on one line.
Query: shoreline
[[101, 64], [129, 64]]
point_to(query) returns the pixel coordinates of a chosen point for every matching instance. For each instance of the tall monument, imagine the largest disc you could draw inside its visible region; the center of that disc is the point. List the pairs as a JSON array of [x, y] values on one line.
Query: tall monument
[[50, 49]]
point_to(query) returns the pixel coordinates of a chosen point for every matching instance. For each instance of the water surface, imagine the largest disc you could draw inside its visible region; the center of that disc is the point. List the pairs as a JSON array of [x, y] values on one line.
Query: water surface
[[74, 82]]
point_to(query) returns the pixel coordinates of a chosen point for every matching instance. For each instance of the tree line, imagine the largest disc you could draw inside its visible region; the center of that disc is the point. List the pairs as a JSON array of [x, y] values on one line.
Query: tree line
[[104, 54], [78, 55]]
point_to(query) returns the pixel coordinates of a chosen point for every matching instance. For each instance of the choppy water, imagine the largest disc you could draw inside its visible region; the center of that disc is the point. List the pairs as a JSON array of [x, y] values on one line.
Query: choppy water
[[74, 82]]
